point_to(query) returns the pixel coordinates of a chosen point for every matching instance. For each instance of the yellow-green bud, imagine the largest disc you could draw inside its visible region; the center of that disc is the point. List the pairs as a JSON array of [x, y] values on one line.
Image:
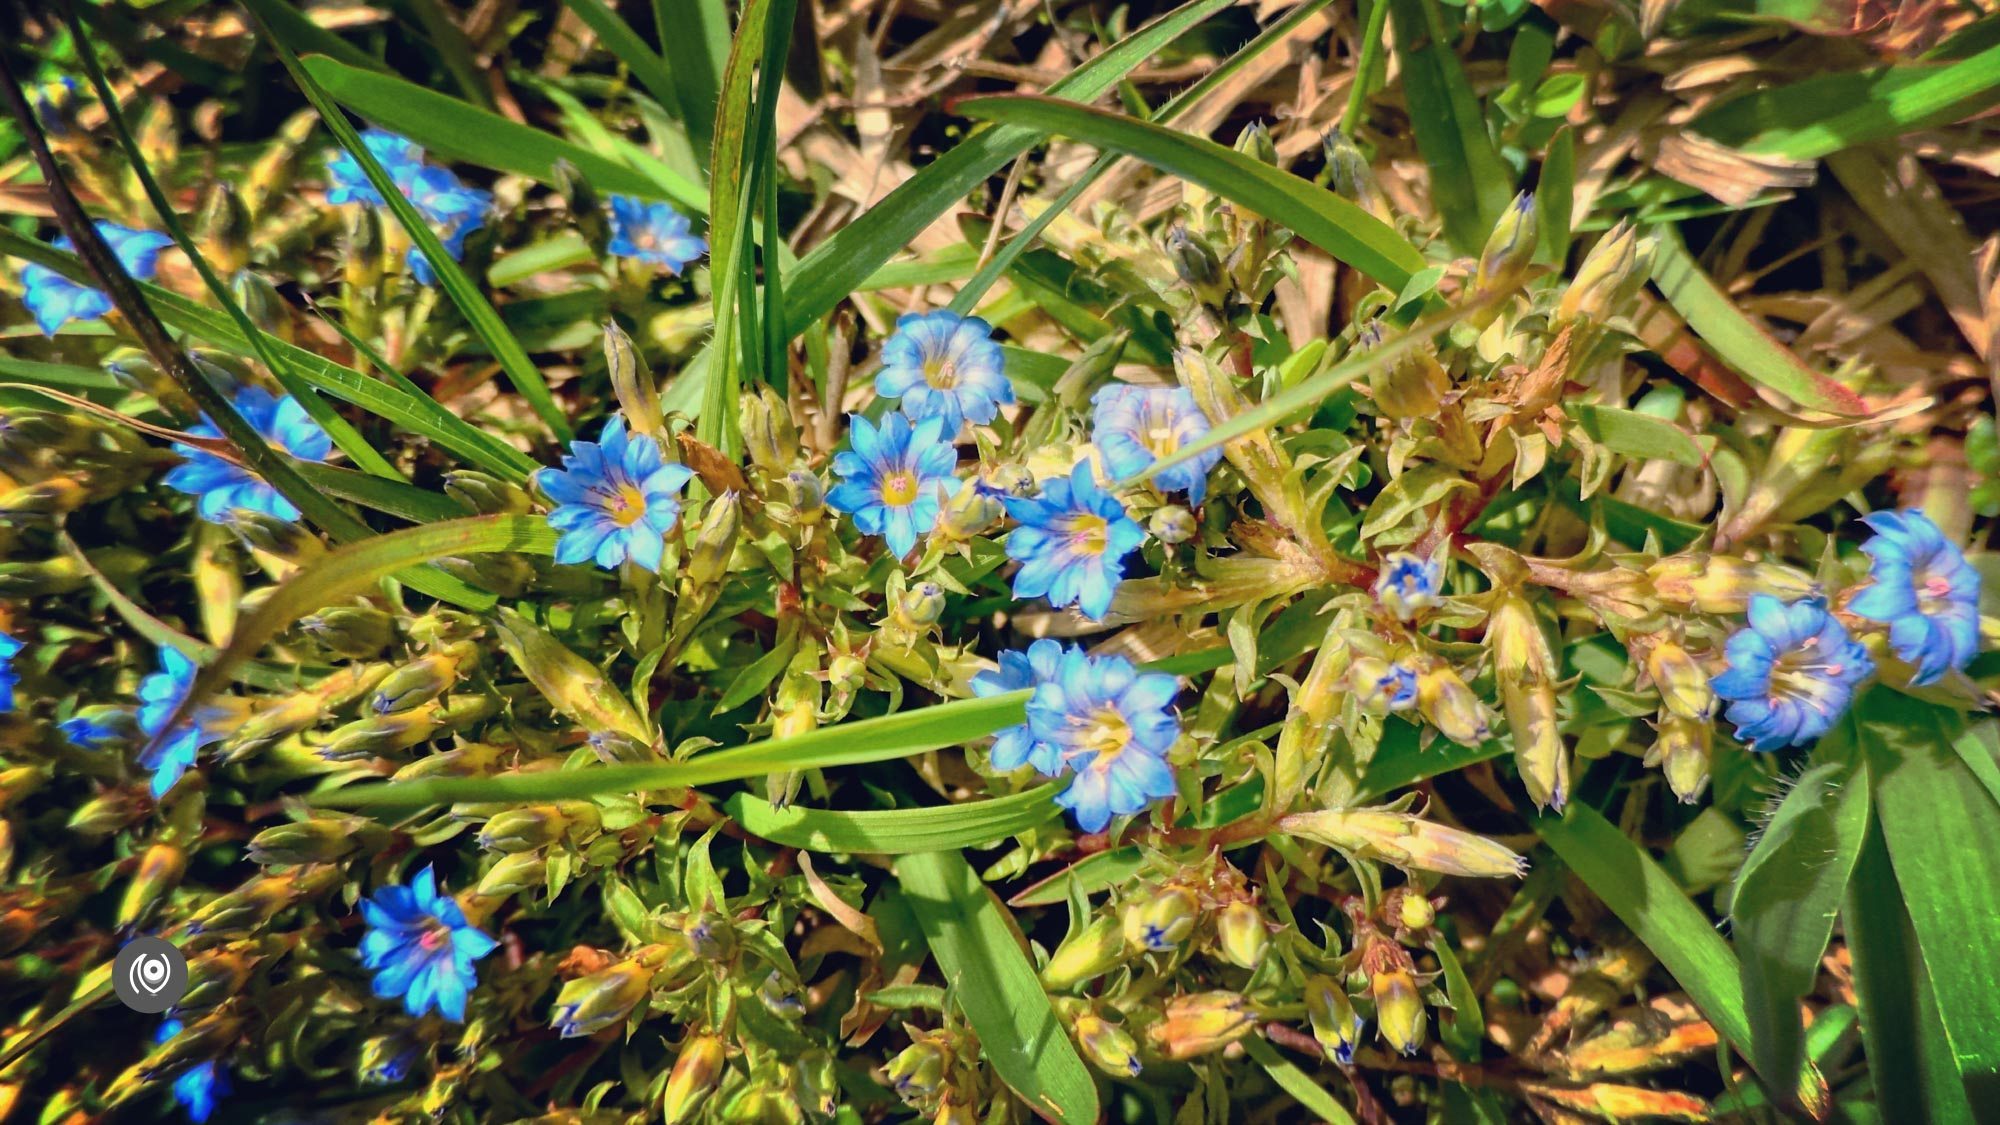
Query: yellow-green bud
[[1410, 386], [486, 494], [1107, 1045], [1722, 583], [357, 632], [1242, 935], [709, 934], [768, 433], [1088, 954], [1160, 921], [1172, 524], [806, 493], [283, 539], [524, 829], [1409, 909], [159, 873], [1195, 262], [225, 229], [1348, 168], [515, 874], [423, 679], [1405, 841], [262, 303], [1399, 1009], [921, 605], [817, 1083], [614, 748], [1683, 684], [1334, 1022], [1202, 1022], [1511, 246], [588, 1005], [917, 1072], [1683, 749], [387, 1059], [215, 975], [19, 782], [108, 812], [1451, 706], [708, 562], [973, 510], [1255, 142], [322, 839], [52, 497], [382, 734], [1608, 278], [62, 574], [632, 381]]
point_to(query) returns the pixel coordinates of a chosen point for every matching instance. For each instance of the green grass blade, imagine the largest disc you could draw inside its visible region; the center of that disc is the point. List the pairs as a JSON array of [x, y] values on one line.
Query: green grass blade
[[303, 34], [393, 497], [694, 37], [832, 270], [1470, 185], [894, 831], [66, 376], [996, 987], [1315, 214], [479, 313], [1739, 341], [618, 37], [456, 131], [1555, 198], [1297, 1082]]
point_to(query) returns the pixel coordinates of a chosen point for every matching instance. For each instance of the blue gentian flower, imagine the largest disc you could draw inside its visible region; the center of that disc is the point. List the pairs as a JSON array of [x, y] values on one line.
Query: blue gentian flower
[[944, 366], [1017, 746], [9, 648], [1072, 543], [56, 300], [1136, 426], [1924, 591], [223, 487], [454, 245], [894, 478], [1408, 585], [422, 948], [398, 156], [159, 695], [98, 727], [1398, 687], [1113, 725], [200, 1086], [653, 232], [454, 211], [1791, 673], [616, 497]]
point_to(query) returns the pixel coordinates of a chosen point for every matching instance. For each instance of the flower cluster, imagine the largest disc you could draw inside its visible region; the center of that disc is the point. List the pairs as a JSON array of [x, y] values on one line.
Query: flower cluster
[[56, 300], [454, 209]]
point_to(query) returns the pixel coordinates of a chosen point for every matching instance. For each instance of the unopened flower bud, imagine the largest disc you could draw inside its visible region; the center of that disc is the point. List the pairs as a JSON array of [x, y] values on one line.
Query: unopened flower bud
[[1107, 1045], [917, 1071], [716, 541], [322, 839], [1683, 748], [262, 303], [377, 735], [817, 1084], [1399, 1009], [1242, 935], [216, 975], [632, 382], [1202, 1022], [110, 811], [515, 874], [921, 605], [423, 679], [486, 494], [524, 829], [1160, 921], [1406, 841], [972, 511], [159, 873], [1196, 264], [1608, 278], [1255, 142], [779, 997], [62, 574], [1378, 683], [225, 229], [709, 934], [282, 539], [387, 1059], [1450, 705], [52, 497], [1334, 1021], [357, 632], [1722, 583], [1088, 954], [1348, 168], [615, 748], [806, 493], [1510, 247], [1172, 524], [1408, 909], [1682, 682], [768, 433], [588, 1005]]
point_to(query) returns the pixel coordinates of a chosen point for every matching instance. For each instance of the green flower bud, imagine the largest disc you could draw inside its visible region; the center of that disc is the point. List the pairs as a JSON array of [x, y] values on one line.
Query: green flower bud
[[1511, 246], [524, 829], [283, 539], [226, 229], [1172, 524], [378, 735], [588, 1005], [1348, 167], [613, 748], [1408, 909], [112, 811], [769, 436], [262, 303], [1160, 921], [1607, 280], [362, 243], [696, 1073], [52, 497], [62, 574], [709, 934], [1399, 1008], [216, 975], [322, 839], [1241, 934], [632, 381], [972, 511], [524, 872], [708, 562], [1402, 840], [1334, 1022], [423, 679], [817, 1083], [357, 632], [921, 605], [779, 997], [1107, 1045], [1200, 1023], [1723, 584], [917, 1073], [387, 1059], [486, 494], [1450, 706], [159, 873], [1683, 749], [1683, 684], [1196, 264], [1089, 953], [806, 494], [1255, 142]]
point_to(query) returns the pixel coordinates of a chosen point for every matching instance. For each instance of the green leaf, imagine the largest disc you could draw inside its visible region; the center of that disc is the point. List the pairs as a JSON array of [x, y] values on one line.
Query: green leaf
[[298, 29], [1315, 214], [618, 37], [826, 276], [1739, 341], [1939, 823], [1462, 1027], [895, 831], [1555, 198], [989, 976], [1638, 435], [1470, 185], [451, 129], [1786, 896], [572, 685], [1089, 875], [694, 37], [1297, 1082]]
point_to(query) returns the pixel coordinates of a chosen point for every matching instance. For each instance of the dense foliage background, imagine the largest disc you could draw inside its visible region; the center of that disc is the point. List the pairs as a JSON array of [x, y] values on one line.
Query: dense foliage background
[[895, 559]]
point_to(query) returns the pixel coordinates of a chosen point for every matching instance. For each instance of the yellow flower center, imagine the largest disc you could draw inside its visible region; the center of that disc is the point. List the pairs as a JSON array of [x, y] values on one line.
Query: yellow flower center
[[899, 489], [941, 372], [1107, 734], [628, 505], [1803, 674], [1090, 534]]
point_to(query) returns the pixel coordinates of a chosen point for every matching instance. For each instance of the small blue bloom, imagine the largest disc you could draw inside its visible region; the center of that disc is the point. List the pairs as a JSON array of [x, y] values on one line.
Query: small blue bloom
[[653, 232], [1136, 426], [159, 695], [9, 648], [401, 158], [454, 211], [1791, 673], [1113, 725], [616, 497], [1017, 745], [1408, 585], [198, 1087], [422, 948], [223, 487], [1398, 687], [1072, 543], [894, 478], [98, 727], [56, 300], [1924, 591], [944, 366]]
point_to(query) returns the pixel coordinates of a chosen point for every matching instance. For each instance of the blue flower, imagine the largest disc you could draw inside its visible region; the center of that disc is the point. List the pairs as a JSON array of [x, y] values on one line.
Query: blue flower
[[944, 366], [1072, 543], [55, 300], [159, 695], [198, 1087], [422, 948], [1136, 426], [9, 648], [1924, 590], [1113, 725], [398, 156], [1408, 585], [653, 232], [224, 487], [98, 727], [453, 210], [616, 499], [894, 478], [1017, 745], [1791, 673], [1398, 687]]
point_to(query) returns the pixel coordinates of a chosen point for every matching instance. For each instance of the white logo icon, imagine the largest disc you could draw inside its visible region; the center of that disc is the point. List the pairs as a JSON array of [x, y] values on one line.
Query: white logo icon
[[151, 974]]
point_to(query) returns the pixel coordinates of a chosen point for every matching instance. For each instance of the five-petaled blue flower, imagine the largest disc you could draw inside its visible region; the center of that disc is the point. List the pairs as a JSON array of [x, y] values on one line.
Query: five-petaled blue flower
[[1072, 543], [198, 1087], [1408, 585], [653, 232], [98, 726], [223, 487], [1113, 725], [894, 478], [1136, 426], [944, 366], [159, 695], [422, 948], [1924, 590], [1398, 687], [9, 648], [55, 300], [400, 157], [616, 497], [1017, 746], [1791, 673]]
